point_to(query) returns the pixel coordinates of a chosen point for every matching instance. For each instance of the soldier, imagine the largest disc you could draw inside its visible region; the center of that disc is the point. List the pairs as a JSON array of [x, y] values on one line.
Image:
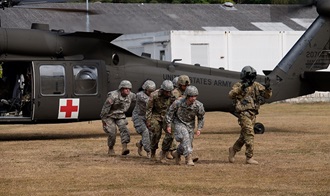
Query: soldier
[[113, 113], [183, 113], [247, 96], [169, 145], [175, 81], [157, 106], [183, 82], [138, 116]]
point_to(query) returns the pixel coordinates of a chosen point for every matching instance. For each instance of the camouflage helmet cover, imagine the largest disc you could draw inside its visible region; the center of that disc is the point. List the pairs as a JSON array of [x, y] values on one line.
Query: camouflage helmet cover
[[183, 80], [175, 81], [167, 85], [125, 84], [149, 85], [248, 73], [191, 91]]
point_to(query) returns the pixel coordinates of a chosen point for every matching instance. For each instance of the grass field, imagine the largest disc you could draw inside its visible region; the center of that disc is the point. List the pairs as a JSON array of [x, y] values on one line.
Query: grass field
[[71, 159]]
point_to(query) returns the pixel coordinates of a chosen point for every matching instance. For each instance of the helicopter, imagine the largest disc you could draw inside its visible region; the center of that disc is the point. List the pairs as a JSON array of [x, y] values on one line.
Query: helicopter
[[51, 76], [8, 3]]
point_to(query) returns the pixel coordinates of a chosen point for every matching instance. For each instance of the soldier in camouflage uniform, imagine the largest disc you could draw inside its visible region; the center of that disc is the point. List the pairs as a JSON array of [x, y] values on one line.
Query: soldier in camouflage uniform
[[157, 106], [183, 113], [182, 83], [169, 144], [247, 96], [175, 81], [139, 116], [113, 113]]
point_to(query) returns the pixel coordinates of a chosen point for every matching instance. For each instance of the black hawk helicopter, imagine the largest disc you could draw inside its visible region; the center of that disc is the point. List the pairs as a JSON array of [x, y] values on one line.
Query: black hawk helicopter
[[54, 76]]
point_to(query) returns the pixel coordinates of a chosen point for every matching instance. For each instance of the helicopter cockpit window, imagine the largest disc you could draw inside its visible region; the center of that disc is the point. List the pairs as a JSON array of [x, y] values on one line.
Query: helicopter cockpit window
[[85, 79], [52, 80]]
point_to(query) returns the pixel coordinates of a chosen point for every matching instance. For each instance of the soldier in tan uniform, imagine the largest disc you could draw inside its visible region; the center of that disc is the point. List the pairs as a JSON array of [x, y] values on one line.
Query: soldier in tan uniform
[[182, 83], [113, 114], [247, 96], [158, 103]]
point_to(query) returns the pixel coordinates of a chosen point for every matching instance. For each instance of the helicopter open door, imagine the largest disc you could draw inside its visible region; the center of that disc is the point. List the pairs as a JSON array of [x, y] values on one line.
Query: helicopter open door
[[15, 91], [68, 91]]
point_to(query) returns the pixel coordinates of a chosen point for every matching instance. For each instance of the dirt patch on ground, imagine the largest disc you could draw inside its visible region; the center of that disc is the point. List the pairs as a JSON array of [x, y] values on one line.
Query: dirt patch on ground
[[71, 159]]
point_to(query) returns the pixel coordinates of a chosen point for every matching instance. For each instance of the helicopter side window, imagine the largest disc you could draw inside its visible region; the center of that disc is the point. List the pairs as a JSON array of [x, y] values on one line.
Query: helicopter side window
[[85, 79], [52, 80]]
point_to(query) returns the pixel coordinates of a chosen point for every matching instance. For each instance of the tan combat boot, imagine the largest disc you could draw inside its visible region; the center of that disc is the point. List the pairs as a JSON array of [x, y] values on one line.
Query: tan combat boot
[[169, 155], [189, 160], [231, 156], [138, 144], [162, 155], [194, 159], [251, 161], [177, 157], [148, 155], [111, 151], [125, 151]]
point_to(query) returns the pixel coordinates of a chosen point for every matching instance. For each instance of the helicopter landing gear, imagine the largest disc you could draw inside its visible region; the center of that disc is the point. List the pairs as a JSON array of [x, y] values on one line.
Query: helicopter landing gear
[[259, 128]]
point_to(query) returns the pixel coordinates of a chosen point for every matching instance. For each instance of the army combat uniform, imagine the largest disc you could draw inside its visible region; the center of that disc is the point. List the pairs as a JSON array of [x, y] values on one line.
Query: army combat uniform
[[183, 117], [247, 102], [156, 109], [113, 113], [139, 119], [168, 143], [139, 116]]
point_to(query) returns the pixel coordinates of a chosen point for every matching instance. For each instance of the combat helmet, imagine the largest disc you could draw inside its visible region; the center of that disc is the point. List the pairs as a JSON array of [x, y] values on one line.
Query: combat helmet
[[125, 84], [191, 91], [149, 85], [175, 81], [249, 74], [183, 80], [167, 85]]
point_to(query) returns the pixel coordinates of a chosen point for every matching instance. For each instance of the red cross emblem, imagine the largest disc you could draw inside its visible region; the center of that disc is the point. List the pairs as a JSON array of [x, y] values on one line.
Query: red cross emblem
[[68, 109]]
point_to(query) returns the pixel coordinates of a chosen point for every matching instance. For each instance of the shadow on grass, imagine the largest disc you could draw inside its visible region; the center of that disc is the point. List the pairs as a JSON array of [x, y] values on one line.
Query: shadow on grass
[[61, 136], [143, 160]]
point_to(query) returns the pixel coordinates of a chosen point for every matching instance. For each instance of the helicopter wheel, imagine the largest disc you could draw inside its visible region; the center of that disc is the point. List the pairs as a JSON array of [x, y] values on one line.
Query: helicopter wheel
[[259, 128]]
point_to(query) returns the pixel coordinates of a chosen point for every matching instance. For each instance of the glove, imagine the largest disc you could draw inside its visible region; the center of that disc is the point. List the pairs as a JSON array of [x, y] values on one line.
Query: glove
[[245, 85], [267, 83]]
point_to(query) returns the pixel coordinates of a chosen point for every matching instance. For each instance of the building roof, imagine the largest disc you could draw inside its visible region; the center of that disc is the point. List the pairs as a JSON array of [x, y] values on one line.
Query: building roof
[[142, 18]]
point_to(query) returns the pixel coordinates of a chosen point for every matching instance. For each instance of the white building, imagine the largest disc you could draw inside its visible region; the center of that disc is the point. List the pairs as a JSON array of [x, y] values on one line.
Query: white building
[[230, 50]]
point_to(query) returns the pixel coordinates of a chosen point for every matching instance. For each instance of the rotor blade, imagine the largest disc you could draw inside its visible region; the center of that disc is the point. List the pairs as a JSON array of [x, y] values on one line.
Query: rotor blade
[[72, 10], [28, 2]]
